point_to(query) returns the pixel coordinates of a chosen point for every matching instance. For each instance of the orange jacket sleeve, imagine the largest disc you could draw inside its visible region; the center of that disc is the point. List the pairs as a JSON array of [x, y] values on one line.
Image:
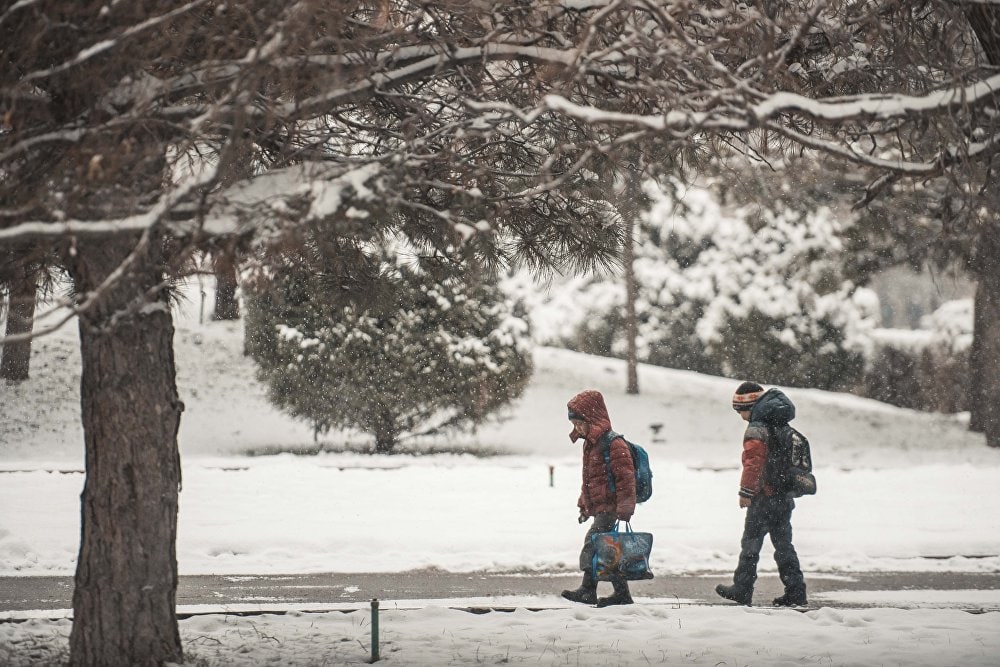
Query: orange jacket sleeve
[[754, 458]]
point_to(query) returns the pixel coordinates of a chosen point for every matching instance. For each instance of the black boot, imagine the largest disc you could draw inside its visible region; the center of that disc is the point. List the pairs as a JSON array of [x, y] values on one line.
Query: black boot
[[586, 593], [620, 596], [793, 597], [737, 595]]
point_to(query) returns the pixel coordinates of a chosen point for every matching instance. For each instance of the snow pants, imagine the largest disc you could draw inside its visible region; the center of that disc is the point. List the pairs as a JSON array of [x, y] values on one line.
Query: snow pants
[[769, 515]]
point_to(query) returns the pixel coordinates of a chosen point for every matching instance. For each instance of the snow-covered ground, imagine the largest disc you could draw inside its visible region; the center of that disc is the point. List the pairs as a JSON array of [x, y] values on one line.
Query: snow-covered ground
[[642, 634], [899, 490]]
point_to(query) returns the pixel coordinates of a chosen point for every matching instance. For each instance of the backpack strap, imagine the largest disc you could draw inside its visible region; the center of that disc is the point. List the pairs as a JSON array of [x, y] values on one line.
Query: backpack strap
[[605, 443]]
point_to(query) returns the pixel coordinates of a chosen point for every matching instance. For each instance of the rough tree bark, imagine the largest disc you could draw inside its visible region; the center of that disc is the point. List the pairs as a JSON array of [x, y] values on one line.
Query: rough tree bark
[[984, 360], [386, 433], [236, 164], [126, 579], [227, 307], [977, 389], [631, 325], [15, 362]]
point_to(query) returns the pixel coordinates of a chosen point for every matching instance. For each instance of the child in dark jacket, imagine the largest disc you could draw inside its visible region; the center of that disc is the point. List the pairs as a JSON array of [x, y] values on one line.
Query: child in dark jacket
[[769, 509], [590, 420]]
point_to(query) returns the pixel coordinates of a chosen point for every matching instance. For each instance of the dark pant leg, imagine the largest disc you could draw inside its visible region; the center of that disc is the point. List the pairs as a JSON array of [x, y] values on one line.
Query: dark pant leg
[[603, 523], [780, 528], [754, 530]]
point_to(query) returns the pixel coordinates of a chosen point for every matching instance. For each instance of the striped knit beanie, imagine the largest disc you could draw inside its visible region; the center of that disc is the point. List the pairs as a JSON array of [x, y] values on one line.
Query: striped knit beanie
[[746, 395]]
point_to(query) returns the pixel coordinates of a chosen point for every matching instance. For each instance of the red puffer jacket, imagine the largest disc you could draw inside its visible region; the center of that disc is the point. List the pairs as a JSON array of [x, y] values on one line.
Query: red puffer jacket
[[596, 496]]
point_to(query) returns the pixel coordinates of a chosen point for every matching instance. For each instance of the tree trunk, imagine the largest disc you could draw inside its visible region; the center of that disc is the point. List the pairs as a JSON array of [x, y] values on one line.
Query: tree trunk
[[386, 433], [631, 326], [985, 359], [16, 360], [227, 307], [126, 578], [978, 397], [235, 164], [985, 21]]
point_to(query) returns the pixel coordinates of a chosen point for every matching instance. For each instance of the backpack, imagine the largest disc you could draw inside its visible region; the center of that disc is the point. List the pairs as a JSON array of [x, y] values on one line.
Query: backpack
[[640, 461], [789, 462]]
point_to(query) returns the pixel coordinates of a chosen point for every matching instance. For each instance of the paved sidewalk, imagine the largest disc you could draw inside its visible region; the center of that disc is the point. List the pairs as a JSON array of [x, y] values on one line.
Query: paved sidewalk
[[49, 593]]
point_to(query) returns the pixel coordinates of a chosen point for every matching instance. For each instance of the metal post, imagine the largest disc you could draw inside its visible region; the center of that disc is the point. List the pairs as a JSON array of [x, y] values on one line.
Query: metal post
[[375, 656], [552, 475], [201, 308]]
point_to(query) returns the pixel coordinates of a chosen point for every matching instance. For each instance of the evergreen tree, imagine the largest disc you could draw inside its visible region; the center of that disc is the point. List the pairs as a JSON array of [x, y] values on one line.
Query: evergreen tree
[[442, 353]]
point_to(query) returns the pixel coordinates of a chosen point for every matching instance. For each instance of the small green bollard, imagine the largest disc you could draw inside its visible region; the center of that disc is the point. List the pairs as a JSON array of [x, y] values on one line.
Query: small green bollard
[[375, 656], [552, 475]]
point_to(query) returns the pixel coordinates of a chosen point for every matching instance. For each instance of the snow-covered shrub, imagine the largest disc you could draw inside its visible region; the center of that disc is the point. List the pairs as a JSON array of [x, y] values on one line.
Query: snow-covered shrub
[[944, 365], [763, 286], [951, 326], [755, 293], [576, 312], [441, 353], [924, 369], [892, 373]]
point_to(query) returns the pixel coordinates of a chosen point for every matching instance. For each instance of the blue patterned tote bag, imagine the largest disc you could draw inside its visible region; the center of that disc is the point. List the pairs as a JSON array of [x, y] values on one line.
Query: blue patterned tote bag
[[622, 553]]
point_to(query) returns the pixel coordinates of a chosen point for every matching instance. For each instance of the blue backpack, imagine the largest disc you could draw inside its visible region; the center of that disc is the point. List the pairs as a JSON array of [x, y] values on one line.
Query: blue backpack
[[640, 461]]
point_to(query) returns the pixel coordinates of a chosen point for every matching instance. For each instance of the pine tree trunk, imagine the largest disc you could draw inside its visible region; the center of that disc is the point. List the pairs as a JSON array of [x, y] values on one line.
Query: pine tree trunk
[[984, 360], [978, 401], [126, 579], [236, 164], [227, 307], [15, 362], [985, 21], [386, 433], [631, 326]]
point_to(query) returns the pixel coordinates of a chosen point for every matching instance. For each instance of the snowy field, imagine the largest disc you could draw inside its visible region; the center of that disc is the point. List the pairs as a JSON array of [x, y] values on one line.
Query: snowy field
[[899, 490]]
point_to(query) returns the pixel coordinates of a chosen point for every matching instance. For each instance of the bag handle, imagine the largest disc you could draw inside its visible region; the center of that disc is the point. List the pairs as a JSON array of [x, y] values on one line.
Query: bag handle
[[628, 526]]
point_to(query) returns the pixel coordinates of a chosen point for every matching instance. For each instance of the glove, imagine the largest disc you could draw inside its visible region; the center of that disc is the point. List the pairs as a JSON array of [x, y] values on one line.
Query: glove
[[624, 517], [582, 518]]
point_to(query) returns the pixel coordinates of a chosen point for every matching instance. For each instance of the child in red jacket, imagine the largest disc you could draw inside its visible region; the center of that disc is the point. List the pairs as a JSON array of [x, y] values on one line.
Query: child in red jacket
[[590, 420]]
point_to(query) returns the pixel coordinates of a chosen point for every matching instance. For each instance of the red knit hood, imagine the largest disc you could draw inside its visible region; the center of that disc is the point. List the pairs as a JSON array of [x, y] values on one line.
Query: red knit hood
[[589, 404]]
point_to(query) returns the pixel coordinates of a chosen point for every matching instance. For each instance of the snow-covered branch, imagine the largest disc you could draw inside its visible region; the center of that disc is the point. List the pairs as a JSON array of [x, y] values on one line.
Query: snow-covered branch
[[41, 229], [63, 136], [840, 109], [421, 68], [107, 44], [880, 107]]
